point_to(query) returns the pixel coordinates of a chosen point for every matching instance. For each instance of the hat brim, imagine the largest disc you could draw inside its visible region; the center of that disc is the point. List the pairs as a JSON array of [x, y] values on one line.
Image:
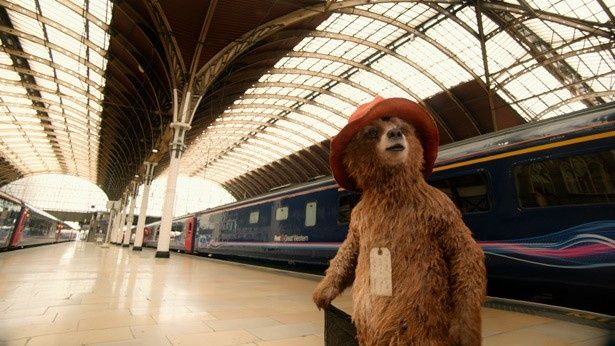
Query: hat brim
[[404, 109]]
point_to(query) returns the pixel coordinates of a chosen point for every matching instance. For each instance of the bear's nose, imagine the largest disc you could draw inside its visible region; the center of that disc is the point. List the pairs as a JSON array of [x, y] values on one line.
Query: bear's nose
[[394, 134]]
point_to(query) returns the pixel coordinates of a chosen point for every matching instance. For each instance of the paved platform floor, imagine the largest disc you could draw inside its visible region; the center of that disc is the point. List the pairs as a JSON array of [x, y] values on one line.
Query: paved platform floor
[[78, 293]]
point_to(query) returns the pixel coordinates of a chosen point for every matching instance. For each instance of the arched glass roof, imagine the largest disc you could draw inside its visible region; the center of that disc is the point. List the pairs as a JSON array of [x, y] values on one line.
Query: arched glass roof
[[544, 58], [58, 192], [52, 67], [195, 194]]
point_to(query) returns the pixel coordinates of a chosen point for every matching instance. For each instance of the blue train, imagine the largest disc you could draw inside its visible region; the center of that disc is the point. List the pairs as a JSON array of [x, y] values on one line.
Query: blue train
[[539, 199], [22, 225]]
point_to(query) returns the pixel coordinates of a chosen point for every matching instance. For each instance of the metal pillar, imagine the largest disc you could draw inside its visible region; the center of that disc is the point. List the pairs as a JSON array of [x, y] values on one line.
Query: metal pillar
[[149, 176], [177, 148], [111, 206], [116, 221], [131, 215], [119, 230]]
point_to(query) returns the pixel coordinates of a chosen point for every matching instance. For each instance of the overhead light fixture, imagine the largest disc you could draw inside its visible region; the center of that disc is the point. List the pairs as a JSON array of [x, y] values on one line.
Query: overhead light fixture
[[136, 175], [154, 150]]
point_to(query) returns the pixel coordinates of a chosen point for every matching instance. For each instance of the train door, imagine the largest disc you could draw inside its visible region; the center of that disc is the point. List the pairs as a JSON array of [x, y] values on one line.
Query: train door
[[59, 232], [189, 234], [21, 223]]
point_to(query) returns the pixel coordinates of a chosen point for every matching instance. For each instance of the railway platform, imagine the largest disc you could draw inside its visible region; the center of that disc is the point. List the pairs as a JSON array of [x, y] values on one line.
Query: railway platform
[[79, 293]]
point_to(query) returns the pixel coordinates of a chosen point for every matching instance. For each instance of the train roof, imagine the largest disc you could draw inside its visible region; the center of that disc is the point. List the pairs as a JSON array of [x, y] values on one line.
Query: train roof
[[42, 212], [322, 182], [4, 195], [575, 124]]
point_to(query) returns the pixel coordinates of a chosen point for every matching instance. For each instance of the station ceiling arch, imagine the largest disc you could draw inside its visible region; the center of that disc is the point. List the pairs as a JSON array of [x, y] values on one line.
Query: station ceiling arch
[[278, 78]]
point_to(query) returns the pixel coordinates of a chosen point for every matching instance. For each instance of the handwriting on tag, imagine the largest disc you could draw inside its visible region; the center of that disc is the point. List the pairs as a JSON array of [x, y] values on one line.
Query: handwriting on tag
[[380, 281]]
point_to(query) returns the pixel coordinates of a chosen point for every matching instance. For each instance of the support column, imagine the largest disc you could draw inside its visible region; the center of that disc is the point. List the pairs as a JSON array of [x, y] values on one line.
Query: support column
[[111, 207], [120, 225], [149, 176], [116, 221], [131, 215], [177, 148]]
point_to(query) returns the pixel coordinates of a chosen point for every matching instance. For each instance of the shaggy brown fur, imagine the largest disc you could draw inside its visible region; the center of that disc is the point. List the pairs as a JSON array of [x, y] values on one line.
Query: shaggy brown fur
[[438, 271]]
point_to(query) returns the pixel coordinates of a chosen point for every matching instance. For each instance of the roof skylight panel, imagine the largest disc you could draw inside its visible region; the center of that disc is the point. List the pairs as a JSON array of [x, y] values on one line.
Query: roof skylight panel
[[270, 138], [41, 68], [27, 4], [37, 50], [248, 151], [352, 93], [318, 126], [378, 8], [408, 76], [370, 80], [605, 83], [335, 103], [26, 24], [468, 16], [12, 90], [297, 92], [411, 14], [460, 42], [100, 9], [16, 100], [8, 74], [503, 51], [581, 9], [5, 58], [553, 33], [593, 64], [67, 62], [302, 137]]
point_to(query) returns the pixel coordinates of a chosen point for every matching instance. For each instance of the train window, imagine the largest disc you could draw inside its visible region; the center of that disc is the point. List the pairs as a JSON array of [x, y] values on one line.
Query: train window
[[346, 204], [310, 214], [281, 213], [572, 180], [254, 217], [469, 192]]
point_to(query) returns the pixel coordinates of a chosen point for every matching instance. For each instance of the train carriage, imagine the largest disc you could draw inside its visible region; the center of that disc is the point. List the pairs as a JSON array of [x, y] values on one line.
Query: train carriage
[[182, 234], [22, 225], [10, 212]]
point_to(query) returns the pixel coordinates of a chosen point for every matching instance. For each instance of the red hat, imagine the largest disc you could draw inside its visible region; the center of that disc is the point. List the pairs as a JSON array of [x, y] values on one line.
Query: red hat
[[409, 111]]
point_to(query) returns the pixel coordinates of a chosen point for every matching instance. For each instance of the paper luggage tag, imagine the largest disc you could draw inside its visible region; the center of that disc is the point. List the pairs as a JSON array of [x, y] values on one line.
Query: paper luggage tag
[[380, 272]]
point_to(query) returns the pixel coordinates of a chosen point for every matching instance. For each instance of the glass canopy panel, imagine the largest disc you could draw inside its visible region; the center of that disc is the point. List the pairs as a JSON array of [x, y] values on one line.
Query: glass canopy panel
[[56, 52], [408, 49]]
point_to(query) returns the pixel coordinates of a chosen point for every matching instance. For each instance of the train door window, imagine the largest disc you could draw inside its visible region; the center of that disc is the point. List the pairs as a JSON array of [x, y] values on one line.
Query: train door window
[[346, 204], [310, 214], [281, 213], [254, 217], [572, 180], [469, 192]]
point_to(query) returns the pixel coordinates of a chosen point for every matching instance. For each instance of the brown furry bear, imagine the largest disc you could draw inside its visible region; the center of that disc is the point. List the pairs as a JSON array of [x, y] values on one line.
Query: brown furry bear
[[435, 284]]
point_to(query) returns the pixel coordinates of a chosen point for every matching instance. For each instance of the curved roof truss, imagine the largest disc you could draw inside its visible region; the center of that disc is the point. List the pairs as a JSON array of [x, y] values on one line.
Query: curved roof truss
[[543, 61]]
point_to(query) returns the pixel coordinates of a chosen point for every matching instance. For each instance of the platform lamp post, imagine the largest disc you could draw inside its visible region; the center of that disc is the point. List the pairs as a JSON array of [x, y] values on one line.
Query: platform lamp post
[[184, 106], [147, 182], [131, 213]]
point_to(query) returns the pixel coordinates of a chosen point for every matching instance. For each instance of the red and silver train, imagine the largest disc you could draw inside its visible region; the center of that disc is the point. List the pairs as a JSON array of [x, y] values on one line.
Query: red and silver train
[[22, 225]]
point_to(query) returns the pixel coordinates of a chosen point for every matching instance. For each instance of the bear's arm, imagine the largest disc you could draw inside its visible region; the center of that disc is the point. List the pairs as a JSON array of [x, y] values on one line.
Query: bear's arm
[[340, 273], [468, 278]]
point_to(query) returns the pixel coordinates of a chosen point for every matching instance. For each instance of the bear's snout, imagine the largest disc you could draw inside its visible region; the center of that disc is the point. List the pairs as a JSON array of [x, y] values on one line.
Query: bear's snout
[[395, 134]]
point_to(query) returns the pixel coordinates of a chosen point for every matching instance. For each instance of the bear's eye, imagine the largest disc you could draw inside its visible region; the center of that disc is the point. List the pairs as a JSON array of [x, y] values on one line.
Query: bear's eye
[[371, 133]]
